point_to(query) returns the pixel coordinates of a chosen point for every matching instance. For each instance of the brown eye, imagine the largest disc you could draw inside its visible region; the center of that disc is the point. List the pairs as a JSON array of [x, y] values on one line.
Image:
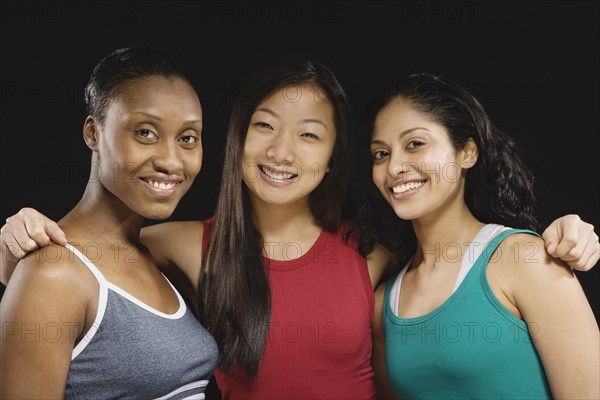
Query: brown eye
[[309, 135], [380, 155], [414, 144], [146, 133], [263, 125]]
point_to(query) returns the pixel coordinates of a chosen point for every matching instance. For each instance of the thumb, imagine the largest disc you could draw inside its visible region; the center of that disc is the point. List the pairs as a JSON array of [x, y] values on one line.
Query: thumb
[[550, 236], [54, 232]]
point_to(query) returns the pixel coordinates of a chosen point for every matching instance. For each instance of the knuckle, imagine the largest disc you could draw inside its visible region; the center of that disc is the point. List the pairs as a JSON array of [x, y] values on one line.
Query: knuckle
[[29, 246], [569, 241], [23, 211], [576, 253], [37, 232]]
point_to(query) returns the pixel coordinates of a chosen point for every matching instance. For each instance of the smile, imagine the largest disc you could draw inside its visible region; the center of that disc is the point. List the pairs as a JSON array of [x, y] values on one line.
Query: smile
[[160, 188], [405, 187], [162, 185], [277, 176]]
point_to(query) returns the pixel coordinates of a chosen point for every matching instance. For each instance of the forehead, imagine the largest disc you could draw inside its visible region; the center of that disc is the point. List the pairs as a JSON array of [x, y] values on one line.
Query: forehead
[[397, 116], [299, 101], [156, 92]]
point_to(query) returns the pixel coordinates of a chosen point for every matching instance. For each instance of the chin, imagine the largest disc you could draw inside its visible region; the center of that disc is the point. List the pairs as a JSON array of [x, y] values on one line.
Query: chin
[[158, 214]]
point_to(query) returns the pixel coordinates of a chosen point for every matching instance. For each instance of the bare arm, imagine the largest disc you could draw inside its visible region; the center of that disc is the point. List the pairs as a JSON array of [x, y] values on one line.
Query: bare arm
[[175, 246], [568, 238], [382, 385], [380, 261], [550, 299], [41, 314], [177, 249]]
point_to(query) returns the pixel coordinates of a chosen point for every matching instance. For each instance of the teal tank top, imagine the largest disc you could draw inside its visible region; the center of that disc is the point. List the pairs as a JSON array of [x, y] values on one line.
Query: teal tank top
[[470, 347]]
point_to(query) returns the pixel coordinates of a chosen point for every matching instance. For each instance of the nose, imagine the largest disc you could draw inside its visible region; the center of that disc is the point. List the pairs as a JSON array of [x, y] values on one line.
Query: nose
[[280, 148], [168, 158], [396, 165]]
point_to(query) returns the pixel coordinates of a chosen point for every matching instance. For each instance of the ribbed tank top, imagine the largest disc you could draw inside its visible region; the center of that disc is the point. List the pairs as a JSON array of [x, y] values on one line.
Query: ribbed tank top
[[471, 346], [133, 351], [319, 344]]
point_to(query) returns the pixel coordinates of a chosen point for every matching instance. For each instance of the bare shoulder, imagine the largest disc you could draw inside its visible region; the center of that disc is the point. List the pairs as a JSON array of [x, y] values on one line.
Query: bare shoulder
[[55, 265], [167, 240], [520, 271], [52, 283], [525, 256]]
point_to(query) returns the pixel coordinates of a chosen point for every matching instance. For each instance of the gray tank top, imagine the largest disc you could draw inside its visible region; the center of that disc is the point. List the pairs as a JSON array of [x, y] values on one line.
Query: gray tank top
[[133, 351]]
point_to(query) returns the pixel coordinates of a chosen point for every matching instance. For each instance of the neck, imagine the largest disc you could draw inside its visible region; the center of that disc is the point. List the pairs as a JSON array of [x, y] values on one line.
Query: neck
[[103, 218], [282, 221], [444, 237]]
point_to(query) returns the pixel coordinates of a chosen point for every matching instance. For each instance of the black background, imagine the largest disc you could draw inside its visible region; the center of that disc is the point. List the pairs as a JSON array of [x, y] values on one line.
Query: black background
[[534, 66]]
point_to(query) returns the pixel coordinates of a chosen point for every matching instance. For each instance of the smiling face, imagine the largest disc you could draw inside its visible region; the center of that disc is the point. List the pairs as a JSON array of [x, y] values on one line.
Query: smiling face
[[147, 151], [415, 166], [289, 142]]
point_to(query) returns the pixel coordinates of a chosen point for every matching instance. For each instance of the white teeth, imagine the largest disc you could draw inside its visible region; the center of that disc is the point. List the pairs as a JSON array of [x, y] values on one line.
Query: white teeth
[[161, 185], [277, 175], [407, 186]]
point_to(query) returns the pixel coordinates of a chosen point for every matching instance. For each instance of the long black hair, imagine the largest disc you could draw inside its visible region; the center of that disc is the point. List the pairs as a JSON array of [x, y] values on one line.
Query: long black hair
[[235, 303], [498, 189]]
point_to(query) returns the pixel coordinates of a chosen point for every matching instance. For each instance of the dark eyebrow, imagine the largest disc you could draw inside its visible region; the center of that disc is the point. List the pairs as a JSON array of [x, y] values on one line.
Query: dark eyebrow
[[159, 119], [151, 116], [403, 133], [304, 121], [313, 120], [268, 111]]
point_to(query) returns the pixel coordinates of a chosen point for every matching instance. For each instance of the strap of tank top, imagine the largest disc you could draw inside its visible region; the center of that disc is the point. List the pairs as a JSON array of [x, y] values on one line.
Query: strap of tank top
[[487, 238], [395, 283], [88, 264], [495, 242], [102, 301], [474, 250]]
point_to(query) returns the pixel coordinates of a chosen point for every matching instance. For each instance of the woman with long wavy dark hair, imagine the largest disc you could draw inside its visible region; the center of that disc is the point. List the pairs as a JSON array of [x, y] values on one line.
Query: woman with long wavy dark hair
[[480, 310]]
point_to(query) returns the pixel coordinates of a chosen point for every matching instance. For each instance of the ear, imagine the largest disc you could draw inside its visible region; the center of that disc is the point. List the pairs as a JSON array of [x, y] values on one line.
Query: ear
[[91, 132], [470, 152]]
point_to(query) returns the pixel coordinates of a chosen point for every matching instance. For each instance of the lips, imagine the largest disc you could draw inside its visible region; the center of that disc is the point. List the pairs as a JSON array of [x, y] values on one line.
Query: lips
[[161, 187], [405, 187], [277, 175]]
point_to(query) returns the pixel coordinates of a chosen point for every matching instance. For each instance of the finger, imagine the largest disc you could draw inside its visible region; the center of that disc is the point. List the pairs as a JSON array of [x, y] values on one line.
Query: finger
[[583, 256], [550, 236], [569, 235], [10, 244], [54, 232], [591, 263], [21, 236], [590, 256], [35, 227], [576, 253]]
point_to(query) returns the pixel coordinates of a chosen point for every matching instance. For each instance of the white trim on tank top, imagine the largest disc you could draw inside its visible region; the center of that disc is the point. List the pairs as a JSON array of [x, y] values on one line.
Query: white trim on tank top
[[104, 285], [474, 250]]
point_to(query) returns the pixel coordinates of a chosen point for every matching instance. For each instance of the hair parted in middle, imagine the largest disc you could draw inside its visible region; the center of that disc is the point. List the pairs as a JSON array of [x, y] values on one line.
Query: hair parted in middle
[[235, 302]]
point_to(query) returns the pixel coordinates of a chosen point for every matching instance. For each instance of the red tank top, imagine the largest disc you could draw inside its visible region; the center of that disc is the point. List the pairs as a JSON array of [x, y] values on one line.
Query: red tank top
[[319, 346]]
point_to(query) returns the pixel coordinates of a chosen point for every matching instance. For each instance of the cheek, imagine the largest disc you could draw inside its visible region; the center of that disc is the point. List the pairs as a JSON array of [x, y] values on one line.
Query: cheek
[[378, 172], [194, 166], [249, 151]]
